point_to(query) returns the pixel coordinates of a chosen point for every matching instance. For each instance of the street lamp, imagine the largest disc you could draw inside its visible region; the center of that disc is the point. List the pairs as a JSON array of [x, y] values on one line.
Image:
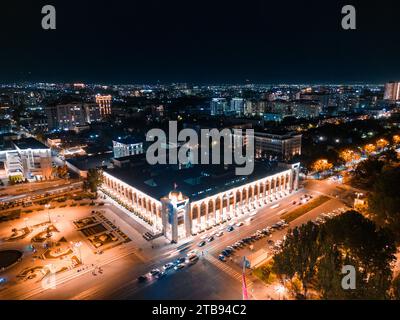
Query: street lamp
[[280, 289], [47, 206]]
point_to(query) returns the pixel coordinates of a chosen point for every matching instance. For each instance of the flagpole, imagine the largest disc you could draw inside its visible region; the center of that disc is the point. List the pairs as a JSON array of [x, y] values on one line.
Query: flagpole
[[244, 286]]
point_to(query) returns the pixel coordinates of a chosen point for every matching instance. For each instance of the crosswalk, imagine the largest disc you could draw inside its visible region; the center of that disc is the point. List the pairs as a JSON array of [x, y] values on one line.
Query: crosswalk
[[229, 270]]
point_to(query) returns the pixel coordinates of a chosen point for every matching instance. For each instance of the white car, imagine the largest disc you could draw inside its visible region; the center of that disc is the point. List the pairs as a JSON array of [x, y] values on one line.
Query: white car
[[219, 234], [239, 224], [253, 213], [192, 252]]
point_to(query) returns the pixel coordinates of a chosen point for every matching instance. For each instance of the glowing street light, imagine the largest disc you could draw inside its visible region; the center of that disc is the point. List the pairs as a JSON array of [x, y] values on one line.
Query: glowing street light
[[280, 289]]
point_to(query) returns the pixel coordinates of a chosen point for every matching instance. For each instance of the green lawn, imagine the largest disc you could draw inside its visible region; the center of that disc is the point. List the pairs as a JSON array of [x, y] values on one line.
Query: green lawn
[[264, 273], [290, 216]]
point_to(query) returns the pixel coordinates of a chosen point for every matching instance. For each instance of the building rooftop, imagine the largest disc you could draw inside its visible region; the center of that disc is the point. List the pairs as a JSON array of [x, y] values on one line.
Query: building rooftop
[[90, 162], [197, 182], [29, 143]]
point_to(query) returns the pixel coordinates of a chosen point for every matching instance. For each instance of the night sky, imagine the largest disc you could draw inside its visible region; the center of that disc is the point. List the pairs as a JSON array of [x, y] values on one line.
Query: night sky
[[200, 42]]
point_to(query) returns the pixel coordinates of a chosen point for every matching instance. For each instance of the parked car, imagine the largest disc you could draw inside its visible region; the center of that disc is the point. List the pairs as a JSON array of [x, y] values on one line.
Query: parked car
[[210, 239], [179, 261], [168, 266], [222, 257], [179, 266], [192, 259], [230, 229], [202, 243], [219, 234], [239, 224], [142, 278], [155, 272]]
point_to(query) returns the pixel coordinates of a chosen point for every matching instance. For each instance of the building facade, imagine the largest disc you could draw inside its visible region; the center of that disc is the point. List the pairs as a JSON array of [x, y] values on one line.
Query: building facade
[[28, 159], [104, 103], [177, 216], [127, 147], [392, 91], [69, 116], [285, 146]]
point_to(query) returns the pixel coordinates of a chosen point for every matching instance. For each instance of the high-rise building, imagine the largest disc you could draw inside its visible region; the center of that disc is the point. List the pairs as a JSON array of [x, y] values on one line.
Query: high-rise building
[[218, 106], [392, 91], [69, 116], [237, 106], [104, 102]]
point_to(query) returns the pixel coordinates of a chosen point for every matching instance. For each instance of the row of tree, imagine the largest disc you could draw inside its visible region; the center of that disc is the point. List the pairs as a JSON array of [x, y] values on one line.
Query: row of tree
[[312, 258]]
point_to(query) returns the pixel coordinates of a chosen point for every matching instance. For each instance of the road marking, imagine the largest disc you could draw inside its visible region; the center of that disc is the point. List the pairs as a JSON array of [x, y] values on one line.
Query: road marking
[[229, 270]]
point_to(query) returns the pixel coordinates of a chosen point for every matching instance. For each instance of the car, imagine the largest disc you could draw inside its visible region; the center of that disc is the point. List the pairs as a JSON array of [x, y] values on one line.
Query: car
[[239, 224], [230, 229], [179, 260], [270, 242], [160, 275], [168, 266], [219, 234], [192, 259], [142, 278], [192, 252], [154, 272], [225, 253], [294, 202], [253, 213], [210, 239], [222, 258], [179, 266], [228, 249], [202, 243]]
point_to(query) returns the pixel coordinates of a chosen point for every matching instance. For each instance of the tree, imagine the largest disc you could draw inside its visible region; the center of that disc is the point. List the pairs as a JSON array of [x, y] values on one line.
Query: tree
[[316, 254], [61, 171], [94, 179], [367, 171], [384, 202], [369, 148], [299, 255], [349, 155], [382, 143], [390, 155], [321, 165], [352, 239], [396, 139], [396, 287]]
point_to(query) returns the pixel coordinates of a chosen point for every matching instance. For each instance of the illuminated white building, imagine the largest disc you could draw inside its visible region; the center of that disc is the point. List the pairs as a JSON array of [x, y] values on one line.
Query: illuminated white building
[[206, 197], [27, 159]]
